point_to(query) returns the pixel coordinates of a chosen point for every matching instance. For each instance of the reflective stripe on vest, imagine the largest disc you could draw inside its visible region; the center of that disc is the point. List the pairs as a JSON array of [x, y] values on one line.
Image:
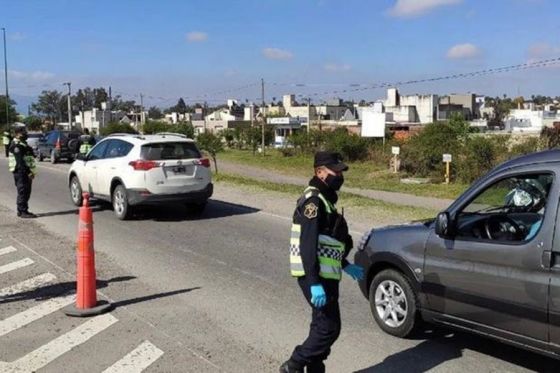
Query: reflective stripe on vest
[[330, 251], [6, 139], [85, 148], [28, 159]]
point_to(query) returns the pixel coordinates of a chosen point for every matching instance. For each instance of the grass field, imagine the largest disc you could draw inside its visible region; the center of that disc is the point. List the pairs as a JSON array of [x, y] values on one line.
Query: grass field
[[366, 175], [348, 200]]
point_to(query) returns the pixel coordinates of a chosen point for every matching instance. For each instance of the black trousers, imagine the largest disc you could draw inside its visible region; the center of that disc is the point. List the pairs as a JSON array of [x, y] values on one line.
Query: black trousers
[[23, 185], [324, 329], [7, 150]]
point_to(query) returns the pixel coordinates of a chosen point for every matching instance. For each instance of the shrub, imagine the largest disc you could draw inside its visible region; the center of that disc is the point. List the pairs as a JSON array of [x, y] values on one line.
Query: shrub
[[351, 146], [526, 146], [185, 128], [153, 126], [422, 155], [116, 127], [477, 158]]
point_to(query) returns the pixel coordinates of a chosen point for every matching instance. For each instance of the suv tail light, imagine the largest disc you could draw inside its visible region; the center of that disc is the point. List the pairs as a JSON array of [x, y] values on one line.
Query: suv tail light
[[142, 165], [205, 162]]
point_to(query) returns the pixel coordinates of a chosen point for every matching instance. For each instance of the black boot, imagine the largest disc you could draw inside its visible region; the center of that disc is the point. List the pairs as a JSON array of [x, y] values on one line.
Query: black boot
[[291, 367], [318, 367]]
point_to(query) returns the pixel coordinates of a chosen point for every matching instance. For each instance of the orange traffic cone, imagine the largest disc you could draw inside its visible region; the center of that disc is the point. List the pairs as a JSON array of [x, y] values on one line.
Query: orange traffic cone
[[86, 291]]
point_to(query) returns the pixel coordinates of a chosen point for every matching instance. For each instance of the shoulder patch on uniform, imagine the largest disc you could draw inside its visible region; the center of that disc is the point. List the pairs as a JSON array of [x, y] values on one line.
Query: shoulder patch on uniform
[[16, 149], [310, 210]]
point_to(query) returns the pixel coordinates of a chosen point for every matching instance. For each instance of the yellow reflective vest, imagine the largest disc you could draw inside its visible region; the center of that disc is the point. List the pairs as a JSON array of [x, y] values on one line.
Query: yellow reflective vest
[[330, 251], [28, 157]]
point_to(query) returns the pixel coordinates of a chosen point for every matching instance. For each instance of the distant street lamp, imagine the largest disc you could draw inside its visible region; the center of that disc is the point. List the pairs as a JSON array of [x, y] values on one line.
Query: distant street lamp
[[6, 79]]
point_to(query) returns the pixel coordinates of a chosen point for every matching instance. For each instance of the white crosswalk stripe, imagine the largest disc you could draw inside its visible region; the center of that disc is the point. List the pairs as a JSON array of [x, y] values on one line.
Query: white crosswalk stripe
[[27, 285], [137, 360], [15, 265], [34, 313], [7, 250], [49, 352]]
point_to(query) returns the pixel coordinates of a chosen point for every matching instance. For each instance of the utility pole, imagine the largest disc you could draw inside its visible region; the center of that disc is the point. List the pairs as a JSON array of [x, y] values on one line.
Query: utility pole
[[205, 113], [308, 114], [263, 116], [69, 104], [6, 79], [141, 108], [110, 106]]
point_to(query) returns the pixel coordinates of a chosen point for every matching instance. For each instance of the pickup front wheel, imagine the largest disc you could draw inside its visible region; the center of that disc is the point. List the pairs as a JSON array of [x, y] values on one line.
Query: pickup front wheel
[[393, 303]]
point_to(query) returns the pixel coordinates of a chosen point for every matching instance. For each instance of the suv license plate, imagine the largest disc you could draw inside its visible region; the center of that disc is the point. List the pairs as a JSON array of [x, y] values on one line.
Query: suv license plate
[[179, 169]]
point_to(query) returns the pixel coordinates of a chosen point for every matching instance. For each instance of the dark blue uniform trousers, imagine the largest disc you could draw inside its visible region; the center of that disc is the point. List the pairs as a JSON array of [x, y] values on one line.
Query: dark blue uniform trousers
[[23, 185], [324, 329]]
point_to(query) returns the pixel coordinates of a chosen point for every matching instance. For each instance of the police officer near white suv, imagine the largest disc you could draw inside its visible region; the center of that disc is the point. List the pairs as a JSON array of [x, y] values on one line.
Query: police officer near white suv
[[21, 163], [319, 245]]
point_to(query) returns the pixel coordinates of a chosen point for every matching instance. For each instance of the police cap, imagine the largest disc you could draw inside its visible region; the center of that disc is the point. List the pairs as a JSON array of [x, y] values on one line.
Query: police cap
[[331, 160]]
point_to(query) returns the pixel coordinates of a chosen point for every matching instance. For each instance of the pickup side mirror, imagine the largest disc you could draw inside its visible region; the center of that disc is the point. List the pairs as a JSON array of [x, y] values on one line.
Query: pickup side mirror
[[444, 225], [81, 157]]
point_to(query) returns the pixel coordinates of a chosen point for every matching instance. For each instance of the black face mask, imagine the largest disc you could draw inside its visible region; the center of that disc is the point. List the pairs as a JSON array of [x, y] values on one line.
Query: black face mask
[[334, 182], [23, 137]]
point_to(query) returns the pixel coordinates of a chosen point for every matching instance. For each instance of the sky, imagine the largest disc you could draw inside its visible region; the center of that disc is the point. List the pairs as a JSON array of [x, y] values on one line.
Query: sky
[[213, 49]]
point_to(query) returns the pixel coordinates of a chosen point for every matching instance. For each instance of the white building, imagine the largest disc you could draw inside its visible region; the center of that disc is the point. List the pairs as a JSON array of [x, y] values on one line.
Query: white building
[[421, 109], [95, 119], [174, 118], [524, 120]]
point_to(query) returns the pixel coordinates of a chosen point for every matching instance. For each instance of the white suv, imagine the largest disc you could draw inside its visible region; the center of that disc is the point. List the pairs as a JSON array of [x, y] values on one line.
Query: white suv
[[129, 170]]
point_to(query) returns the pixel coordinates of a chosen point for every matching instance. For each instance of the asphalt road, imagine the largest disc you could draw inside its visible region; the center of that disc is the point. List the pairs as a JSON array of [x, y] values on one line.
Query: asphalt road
[[217, 288]]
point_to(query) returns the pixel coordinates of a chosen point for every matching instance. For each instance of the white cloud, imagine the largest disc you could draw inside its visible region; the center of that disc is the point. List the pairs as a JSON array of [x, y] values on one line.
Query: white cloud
[[30, 75], [196, 36], [415, 8], [277, 54], [543, 50], [463, 51], [333, 67]]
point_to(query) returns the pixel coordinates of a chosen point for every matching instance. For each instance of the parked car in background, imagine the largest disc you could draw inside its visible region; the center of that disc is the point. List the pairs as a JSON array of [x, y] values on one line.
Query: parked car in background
[[489, 264], [57, 145], [130, 170], [33, 139]]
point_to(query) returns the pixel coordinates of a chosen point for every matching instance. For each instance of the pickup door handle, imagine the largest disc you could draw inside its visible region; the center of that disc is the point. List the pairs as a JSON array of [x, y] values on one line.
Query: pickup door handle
[[551, 259]]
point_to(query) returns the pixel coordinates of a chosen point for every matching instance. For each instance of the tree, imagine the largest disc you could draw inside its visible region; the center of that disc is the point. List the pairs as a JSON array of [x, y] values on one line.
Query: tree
[[34, 123], [49, 104], [212, 144], [155, 113], [12, 113], [184, 128], [116, 127], [118, 104], [181, 107], [154, 126], [502, 108]]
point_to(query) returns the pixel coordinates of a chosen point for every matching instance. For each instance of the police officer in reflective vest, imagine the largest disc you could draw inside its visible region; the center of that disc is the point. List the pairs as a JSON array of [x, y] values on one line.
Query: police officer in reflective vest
[[86, 142], [22, 164], [319, 245], [6, 140]]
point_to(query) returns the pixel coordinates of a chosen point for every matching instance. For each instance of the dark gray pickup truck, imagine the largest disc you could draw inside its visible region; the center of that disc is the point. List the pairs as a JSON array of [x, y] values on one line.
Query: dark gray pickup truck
[[489, 264]]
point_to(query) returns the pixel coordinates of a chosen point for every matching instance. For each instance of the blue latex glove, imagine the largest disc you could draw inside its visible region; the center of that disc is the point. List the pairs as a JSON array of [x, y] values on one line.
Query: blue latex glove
[[354, 271], [318, 296]]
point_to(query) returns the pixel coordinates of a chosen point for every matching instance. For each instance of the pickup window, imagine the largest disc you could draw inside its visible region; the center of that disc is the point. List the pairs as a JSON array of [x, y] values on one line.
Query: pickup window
[[511, 209]]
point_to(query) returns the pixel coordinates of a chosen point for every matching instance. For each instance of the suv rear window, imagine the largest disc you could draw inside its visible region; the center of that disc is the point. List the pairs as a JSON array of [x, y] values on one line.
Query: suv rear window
[[169, 150]]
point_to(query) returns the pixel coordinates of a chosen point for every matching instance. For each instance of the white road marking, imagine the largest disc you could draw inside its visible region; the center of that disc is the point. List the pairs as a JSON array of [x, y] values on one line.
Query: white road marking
[[27, 285], [34, 313], [57, 347], [7, 250], [16, 265], [137, 360]]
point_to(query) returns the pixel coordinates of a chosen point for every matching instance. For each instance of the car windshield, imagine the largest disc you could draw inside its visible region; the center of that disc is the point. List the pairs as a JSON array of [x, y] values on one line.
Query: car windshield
[[169, 150]]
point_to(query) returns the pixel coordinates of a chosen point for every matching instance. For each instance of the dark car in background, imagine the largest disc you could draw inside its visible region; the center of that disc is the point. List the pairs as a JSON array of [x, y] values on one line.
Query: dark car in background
[[489, 264], [33, 139], [57, 145]]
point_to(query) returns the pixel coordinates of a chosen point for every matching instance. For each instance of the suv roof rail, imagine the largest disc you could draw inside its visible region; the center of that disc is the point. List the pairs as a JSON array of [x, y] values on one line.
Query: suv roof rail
[[124, 134], [171, 134]]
